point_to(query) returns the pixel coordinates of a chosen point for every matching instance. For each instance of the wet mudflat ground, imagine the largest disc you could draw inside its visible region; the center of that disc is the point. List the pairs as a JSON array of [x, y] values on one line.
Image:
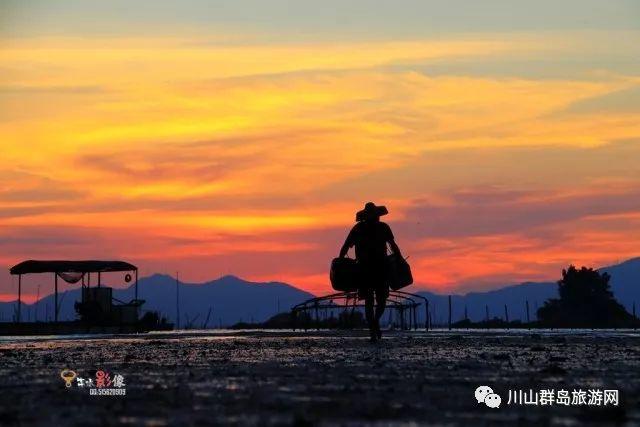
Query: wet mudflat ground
[[316, 378]]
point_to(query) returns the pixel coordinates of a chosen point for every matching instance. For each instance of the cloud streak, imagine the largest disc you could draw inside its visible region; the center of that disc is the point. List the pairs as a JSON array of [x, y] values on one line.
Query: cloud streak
[[251, 158]]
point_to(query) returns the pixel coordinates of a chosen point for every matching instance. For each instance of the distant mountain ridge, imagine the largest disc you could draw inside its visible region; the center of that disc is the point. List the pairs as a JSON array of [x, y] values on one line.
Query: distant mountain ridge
[[230, 298], [233, 299], [625, 284]]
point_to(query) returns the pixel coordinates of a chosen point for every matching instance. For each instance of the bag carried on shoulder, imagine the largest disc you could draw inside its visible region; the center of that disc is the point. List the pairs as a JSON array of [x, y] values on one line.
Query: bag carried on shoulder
[[398, 272]]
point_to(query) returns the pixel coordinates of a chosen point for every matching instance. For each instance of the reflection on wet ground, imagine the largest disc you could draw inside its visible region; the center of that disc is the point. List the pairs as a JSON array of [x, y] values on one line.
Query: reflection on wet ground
[[284, 378]]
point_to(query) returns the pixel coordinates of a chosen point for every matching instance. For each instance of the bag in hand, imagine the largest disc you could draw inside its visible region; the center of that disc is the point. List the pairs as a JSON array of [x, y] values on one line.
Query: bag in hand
[[399, 272], [344, 274]]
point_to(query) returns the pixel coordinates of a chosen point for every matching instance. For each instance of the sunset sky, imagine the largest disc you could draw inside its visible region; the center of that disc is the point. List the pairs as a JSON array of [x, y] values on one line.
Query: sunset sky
[[240, 137]]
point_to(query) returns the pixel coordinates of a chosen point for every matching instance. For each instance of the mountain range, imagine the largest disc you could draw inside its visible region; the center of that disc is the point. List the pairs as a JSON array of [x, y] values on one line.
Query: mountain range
[[231, 299], [625, 285]]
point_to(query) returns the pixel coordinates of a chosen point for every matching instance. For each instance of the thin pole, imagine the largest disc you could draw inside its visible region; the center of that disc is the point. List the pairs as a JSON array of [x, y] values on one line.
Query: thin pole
[[136, 288], [99, 279], [486, 312], [426, 314], [528, 318], [506, 315], [37, 302], [56, 296], [19, 295], [204, 326], [449, 312], [177, 302], [415, 317]]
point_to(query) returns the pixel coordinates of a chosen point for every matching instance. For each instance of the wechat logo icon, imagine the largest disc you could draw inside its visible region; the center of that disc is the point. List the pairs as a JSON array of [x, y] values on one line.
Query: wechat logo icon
[[484, 394]]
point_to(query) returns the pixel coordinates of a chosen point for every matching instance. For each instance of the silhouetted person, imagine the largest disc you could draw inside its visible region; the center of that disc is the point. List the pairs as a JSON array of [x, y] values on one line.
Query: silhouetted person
[[370, 237]]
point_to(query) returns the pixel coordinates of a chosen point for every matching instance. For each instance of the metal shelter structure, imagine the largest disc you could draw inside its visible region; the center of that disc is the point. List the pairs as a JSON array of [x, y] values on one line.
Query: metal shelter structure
[[70, 270], [404, 305]]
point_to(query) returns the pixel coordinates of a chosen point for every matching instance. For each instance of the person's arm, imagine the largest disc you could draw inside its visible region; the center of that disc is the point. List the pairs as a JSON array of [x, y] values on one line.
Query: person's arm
[[392, 242], [346, 245], [394, 248]]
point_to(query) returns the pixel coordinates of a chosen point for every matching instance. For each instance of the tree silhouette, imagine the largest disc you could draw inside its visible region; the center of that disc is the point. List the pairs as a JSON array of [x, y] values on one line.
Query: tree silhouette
[[586, 301]]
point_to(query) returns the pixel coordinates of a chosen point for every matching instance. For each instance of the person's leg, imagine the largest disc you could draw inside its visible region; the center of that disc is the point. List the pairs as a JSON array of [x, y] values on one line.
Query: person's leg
[[370, 313], [381, 304]]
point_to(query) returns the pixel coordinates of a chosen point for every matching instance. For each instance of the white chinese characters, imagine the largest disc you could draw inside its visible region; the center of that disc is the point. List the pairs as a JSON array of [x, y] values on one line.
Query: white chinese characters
[[562, 397]]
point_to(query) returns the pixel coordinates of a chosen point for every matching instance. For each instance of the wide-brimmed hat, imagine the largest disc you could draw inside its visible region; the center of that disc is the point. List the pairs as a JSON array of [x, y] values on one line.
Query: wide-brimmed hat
[[371, 211]]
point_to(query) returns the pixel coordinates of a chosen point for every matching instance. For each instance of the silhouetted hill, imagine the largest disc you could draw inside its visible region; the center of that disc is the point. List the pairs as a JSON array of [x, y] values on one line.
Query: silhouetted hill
[[625, 284], [514, 296], [231, 299]]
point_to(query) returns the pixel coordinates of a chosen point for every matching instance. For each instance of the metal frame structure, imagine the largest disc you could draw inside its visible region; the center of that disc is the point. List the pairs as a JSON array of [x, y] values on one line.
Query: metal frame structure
[[401, 302], [57, 267]]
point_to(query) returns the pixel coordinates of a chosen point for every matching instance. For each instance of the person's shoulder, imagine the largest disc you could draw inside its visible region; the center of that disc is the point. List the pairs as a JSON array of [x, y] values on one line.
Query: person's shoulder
[[386, 228], [384, 225]]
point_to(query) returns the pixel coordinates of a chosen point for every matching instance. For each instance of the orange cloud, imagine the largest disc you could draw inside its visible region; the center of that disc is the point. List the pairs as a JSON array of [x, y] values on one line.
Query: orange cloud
[[194, 151]]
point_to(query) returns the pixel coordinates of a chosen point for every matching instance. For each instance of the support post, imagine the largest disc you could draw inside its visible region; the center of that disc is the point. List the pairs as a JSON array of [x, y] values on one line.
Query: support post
[[506, 315], [449, 312], [177, 301], [19, 296], [528, 318], [99, 279], [136, 296], [426, 315], [55, 282]]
